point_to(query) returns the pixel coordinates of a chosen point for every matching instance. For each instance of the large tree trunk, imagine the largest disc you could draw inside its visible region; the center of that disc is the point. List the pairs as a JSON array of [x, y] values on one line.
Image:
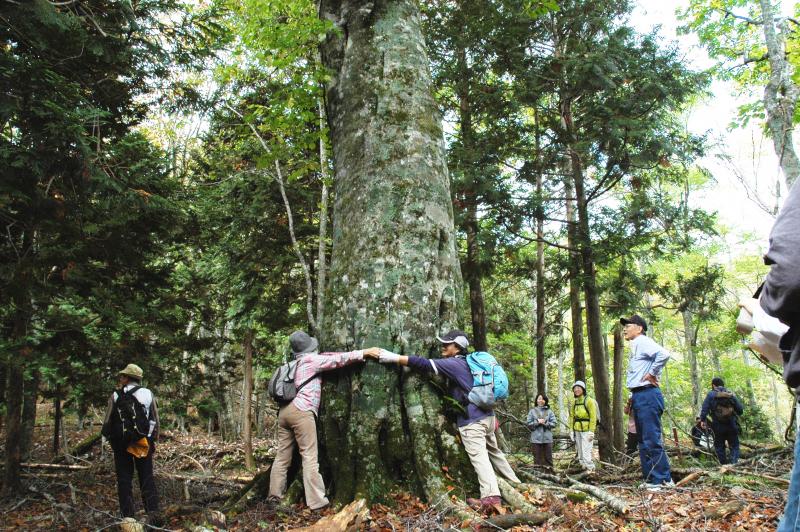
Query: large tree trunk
[[578, 355], [597, 353], [780, 94], [394, 273]]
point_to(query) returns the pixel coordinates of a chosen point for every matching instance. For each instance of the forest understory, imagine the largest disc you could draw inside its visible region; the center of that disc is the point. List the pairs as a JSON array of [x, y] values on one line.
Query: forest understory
[[196, 475]]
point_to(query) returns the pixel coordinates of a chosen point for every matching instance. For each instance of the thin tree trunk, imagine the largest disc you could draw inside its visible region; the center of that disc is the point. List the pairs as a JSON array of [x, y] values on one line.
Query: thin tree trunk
[[30, 395], [247, 408], [578, 355], [690, 341], [780, 94], [471, 265], [541, 381], [776, 405], [472, 273], [751, 393], [593, 316], [562, 355], [57, 420], [16, 374], [3, 387], [619, 385]]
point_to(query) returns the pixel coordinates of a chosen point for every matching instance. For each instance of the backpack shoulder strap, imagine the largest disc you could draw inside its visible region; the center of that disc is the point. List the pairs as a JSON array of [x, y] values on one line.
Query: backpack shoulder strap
[[311, 378]]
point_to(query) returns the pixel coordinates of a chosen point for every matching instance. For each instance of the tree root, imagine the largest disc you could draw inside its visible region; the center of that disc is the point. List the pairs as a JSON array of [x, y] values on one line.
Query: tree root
[[254, 490]]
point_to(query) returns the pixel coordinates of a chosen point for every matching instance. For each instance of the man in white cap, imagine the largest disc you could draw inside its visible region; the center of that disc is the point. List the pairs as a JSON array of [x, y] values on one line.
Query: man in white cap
[[131, 398], [645, 365], [476, 426], [297, 423]]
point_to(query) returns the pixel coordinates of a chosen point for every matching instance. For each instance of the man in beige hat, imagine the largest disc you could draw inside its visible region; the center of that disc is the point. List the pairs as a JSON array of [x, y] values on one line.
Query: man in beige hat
[[130, 425]]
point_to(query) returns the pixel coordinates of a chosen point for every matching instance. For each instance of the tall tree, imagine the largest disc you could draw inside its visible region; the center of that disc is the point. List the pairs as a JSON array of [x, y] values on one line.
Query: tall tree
[[752, 42], [394, 270]]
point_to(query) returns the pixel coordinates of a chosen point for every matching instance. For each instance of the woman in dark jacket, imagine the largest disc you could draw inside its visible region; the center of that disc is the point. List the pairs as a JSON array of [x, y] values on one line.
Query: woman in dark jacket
[[542, 421]]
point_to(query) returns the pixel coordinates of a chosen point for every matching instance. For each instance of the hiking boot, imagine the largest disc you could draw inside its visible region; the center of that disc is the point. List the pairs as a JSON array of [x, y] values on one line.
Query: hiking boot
[[487, 505]]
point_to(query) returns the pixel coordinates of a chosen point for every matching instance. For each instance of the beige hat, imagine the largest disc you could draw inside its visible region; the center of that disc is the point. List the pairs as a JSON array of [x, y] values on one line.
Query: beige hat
[[132, 370]]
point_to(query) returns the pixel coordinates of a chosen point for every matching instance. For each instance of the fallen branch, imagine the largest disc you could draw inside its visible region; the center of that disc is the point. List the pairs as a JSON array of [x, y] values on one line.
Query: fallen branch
[[54, 466], [82, 447], [514, 497], [203, 479], [615, 503], [511, 520]]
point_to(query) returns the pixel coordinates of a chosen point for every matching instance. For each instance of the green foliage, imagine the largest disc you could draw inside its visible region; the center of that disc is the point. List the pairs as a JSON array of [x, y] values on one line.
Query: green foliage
[[755, 424]]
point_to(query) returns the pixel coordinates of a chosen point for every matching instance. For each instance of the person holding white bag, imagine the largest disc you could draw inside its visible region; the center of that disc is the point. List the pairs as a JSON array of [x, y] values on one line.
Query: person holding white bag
[[780, 298]]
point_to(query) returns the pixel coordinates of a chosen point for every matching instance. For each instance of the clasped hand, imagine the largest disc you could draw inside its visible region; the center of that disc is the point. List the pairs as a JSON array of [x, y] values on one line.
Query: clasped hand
[[381, 355]]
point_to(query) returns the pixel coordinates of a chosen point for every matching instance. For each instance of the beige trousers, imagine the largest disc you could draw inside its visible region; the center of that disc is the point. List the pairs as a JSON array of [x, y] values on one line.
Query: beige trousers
[[295, 425], [481, 446], [584, 441]]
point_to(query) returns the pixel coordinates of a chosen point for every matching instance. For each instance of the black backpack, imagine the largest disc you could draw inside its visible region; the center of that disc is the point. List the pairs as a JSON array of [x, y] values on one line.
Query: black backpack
[[282, 387], [724, 407], [129, 421]]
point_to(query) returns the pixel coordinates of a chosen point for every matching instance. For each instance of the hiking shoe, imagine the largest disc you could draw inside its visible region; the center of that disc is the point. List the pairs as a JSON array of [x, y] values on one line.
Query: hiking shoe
[[669, 484], [487, 505], [650, 486]]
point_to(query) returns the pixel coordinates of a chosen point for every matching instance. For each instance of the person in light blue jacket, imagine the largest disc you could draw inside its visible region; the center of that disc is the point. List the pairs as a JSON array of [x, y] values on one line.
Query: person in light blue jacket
[[541, 421]]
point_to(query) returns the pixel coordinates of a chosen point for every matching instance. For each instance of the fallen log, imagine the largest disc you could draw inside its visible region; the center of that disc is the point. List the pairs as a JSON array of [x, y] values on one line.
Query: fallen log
[[254, 490], [83, 447], [511, 520], [204, 479]]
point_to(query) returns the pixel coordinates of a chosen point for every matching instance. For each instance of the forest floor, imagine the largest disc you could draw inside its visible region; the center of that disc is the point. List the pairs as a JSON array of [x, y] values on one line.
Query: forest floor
[[196, 473]]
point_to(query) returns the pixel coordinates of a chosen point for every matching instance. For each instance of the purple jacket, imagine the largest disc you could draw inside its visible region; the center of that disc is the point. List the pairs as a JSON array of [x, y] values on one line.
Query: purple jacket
[[460, 378]]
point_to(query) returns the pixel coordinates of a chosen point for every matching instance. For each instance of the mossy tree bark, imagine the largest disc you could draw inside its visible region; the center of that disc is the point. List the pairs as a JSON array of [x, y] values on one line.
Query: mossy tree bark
[[394, 273]]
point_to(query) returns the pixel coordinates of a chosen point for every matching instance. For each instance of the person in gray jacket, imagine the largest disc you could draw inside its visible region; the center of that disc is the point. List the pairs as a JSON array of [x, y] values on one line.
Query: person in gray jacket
[[542, 421], [780, 298]]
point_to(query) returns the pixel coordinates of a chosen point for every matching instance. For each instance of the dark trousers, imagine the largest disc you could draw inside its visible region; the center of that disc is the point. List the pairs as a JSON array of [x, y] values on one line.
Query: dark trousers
[[631, 444], [125, 463], [726, 433], [648, 405], [543, 455]]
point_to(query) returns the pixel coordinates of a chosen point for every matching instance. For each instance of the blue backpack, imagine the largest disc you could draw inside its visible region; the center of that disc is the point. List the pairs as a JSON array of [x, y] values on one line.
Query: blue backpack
[[489, 380]]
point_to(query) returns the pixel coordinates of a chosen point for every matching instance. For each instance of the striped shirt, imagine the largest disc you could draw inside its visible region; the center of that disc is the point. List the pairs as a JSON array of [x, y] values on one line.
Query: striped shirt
[[308, 364]]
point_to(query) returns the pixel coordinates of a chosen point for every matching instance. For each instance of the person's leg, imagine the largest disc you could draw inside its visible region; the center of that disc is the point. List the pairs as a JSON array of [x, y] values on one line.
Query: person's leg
[[587, 445], [644, 456], [283, 456], [538, 456], [548, 456], [650, 406], [790, 520], [733, 442], [473, 437], [304, 425], [720, 436], [123, 464], [496, 455], [147, 483]]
